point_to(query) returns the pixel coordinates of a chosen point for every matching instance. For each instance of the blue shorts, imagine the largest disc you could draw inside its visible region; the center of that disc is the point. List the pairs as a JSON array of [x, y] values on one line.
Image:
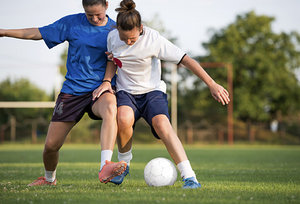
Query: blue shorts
[[146, 105]]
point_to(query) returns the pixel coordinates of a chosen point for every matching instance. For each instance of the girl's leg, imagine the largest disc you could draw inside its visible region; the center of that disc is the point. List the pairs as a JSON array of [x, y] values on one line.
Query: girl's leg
[[125, 128], [106, 108], [57, 133], [125, 120], [56, 136], [163, 128]]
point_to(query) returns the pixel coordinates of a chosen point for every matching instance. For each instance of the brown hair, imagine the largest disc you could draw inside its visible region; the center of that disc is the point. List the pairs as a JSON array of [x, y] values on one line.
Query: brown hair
[[86, 3], [128, 17]]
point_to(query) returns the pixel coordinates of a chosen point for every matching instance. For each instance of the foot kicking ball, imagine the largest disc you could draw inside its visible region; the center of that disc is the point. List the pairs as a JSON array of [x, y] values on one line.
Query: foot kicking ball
[[160, 172]]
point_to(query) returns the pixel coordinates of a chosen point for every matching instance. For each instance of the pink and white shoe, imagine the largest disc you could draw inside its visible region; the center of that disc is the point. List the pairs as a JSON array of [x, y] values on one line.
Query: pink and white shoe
[[41, 181], [111, 170]]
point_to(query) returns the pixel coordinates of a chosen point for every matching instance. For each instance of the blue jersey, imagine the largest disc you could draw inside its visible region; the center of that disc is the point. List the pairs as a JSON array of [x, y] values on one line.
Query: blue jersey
[[86, 63]]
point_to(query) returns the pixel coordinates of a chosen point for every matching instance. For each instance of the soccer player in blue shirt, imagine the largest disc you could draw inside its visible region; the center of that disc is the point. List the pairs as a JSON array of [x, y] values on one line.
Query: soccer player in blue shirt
[[86, 34]]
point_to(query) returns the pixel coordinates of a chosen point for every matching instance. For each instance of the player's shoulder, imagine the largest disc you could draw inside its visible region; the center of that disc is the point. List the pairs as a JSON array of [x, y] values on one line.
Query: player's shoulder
[[113, 33], [111, 23], [151, 33], [73, 18]]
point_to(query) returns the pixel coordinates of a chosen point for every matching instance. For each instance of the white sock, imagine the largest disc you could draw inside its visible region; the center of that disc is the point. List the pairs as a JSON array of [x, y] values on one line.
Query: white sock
[[105, 155], [127, 156], [50, 175], [185, 169]]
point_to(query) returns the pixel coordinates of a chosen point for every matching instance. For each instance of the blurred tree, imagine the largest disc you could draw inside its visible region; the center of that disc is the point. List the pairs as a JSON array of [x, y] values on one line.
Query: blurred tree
[[22, 90], [264, 62]]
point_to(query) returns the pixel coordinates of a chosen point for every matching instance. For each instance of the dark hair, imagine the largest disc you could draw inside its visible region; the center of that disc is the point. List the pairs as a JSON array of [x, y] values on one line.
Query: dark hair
[[86, 3], [128, 17]]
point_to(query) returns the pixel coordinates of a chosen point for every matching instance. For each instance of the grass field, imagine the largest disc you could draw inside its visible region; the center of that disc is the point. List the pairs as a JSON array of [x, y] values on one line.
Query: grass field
[[238, 174]]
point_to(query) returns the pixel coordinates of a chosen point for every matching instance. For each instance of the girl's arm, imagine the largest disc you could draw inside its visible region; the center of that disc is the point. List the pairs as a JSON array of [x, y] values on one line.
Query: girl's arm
[[106, 85], [217, 91], [26, 33]]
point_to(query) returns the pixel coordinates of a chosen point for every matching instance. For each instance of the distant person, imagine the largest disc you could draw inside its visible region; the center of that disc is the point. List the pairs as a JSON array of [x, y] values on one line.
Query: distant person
[[87, 36], [140, 90]]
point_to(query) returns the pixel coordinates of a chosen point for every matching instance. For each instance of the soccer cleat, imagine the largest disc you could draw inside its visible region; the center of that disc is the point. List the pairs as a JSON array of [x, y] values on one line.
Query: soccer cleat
[[190, 183], [119, 179], [41, 181], [111, 170]]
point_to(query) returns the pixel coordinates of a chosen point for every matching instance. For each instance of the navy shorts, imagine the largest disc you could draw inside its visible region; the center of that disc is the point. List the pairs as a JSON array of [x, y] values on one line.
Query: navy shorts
[[71, 108], [145, 105]]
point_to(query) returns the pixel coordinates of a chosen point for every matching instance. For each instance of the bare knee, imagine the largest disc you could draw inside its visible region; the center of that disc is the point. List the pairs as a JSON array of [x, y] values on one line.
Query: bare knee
[[105, 107], [162, 126], [125, 121], [56, 135], [110, 111], [159, 129], [51, 147]]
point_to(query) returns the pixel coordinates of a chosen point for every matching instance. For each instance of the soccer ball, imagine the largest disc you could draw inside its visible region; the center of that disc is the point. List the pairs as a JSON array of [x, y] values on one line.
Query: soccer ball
[[160, 172]]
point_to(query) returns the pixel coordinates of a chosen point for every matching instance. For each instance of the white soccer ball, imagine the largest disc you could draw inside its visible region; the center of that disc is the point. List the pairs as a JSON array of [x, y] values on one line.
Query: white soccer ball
[[160, 172]]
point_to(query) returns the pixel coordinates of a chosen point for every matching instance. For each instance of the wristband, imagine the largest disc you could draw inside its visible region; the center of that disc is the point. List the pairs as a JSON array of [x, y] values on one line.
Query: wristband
[[106, 81]]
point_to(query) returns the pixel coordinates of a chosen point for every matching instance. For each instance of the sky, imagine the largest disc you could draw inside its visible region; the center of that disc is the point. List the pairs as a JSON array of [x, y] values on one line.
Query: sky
[[189, 21]]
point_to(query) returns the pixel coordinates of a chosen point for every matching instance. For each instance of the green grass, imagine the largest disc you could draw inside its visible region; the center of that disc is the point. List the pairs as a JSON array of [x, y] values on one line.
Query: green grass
[[238, 174]]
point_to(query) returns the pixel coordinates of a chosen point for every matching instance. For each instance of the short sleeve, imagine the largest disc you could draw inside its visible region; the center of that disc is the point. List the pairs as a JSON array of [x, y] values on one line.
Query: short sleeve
[[55, 33], [169, 52], [109, 45]]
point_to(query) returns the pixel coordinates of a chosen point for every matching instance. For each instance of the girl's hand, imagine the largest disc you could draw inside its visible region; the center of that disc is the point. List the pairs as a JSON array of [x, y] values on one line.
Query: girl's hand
[[105, 86], [110, 56], [116, 61], [219, 93]]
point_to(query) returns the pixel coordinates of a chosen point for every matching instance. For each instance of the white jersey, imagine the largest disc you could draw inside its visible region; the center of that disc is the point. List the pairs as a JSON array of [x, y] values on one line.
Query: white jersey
[[141, 66]]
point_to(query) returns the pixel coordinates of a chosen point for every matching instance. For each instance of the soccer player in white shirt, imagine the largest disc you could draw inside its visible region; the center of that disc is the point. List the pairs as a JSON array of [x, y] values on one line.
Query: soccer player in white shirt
[[140, 90]]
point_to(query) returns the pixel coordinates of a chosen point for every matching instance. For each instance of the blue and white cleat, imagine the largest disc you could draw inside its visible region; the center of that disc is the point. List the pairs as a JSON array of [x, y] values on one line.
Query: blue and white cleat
[[119, 179], [191, 183]]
